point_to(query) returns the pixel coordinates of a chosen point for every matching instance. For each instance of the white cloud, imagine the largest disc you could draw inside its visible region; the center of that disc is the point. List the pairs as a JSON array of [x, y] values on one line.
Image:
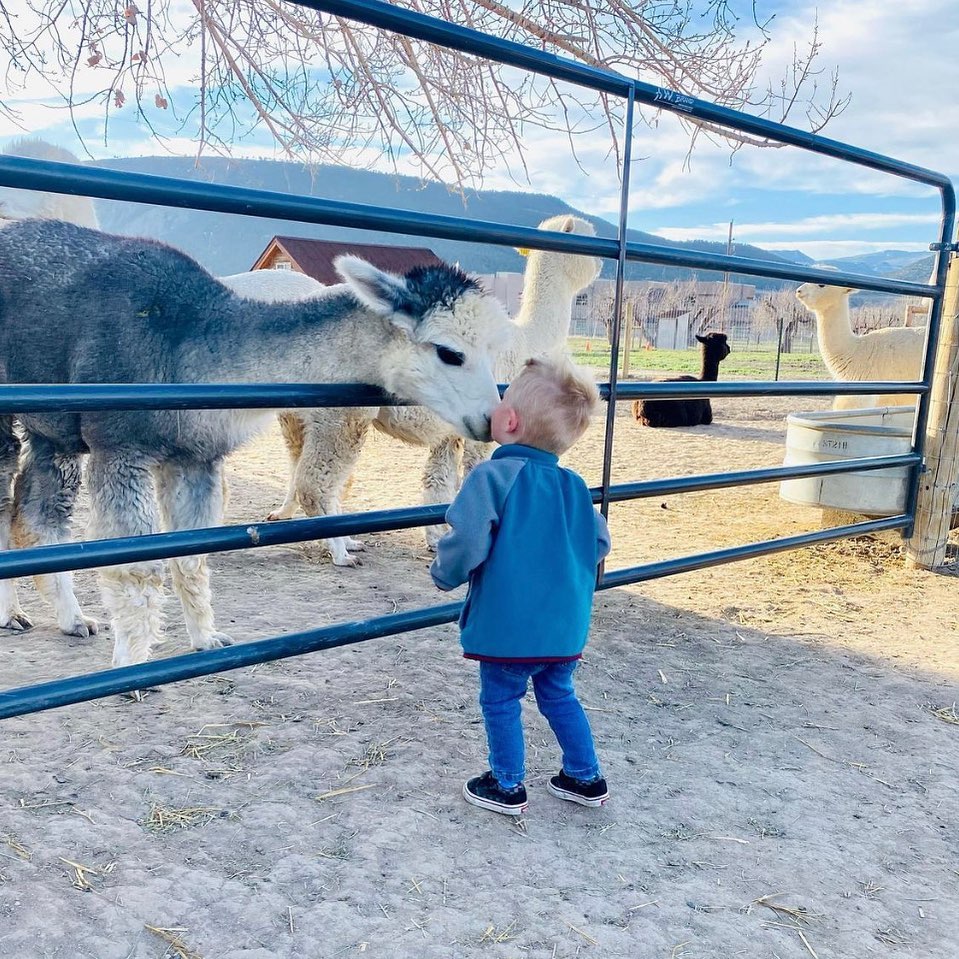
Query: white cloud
[[770, 232], [893, 57]]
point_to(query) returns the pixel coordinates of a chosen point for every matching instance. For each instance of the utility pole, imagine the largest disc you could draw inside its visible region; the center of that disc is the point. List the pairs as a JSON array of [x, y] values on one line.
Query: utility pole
[[725, 300]]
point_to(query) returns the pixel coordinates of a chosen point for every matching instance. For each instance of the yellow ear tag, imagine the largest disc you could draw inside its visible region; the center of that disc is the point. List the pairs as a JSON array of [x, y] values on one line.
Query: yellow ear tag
[[522, 251]]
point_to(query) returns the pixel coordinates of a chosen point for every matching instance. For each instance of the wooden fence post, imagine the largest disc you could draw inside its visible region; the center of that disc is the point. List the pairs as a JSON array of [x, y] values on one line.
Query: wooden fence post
[[926, 549]]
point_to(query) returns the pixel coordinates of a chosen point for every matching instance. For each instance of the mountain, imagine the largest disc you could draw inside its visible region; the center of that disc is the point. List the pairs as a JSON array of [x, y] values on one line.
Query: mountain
[[886, 263], [918, 271], [226, 244], [794, 256]]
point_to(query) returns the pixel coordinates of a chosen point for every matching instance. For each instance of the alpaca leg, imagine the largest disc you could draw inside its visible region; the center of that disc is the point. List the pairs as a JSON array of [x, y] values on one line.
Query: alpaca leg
[[293, 429], [474, 453], [45, 493], [440, 480], [190, 496], [123, 504], [353, 545], [11, 615], [332, 444]]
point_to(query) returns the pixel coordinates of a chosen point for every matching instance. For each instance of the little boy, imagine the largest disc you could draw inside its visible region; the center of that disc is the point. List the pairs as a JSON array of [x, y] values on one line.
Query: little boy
[[524, 533]]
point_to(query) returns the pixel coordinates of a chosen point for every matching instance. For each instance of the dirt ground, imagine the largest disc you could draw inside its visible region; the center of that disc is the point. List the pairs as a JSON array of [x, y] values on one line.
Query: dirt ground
[[779, 736]]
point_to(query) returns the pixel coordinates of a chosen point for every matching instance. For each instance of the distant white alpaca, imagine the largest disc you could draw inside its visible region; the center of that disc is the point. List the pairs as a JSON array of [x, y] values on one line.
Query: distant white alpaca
[[889, 354], [324, 445]]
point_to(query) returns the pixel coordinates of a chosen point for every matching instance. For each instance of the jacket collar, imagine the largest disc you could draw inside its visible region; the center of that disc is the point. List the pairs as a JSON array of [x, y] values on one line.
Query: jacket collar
[[526, 452]]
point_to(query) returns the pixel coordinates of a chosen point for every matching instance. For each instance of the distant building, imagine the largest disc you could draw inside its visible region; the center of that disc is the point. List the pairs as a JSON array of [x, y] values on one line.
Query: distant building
[[315, 257], [506, 287]]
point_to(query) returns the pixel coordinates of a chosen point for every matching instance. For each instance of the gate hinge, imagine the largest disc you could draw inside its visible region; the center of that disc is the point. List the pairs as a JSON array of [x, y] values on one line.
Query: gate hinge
[[944, 247]]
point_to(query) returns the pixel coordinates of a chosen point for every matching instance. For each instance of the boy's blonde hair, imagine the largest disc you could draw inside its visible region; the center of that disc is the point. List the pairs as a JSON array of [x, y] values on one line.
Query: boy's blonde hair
[[555, 400]]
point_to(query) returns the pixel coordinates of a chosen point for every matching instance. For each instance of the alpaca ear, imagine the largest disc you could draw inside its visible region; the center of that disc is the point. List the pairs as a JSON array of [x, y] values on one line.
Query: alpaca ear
[[702, 339], [384, 293]]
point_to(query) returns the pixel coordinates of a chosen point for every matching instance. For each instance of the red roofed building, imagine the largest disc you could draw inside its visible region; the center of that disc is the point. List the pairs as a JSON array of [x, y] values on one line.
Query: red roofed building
[[315, 257]]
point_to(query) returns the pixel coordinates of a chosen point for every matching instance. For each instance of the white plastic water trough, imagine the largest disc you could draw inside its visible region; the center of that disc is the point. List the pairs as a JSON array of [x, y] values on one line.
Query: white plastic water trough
[[824, 437]]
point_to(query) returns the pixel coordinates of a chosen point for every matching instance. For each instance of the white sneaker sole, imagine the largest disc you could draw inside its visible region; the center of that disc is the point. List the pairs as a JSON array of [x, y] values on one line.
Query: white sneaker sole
[[494, 806], [576, 797]]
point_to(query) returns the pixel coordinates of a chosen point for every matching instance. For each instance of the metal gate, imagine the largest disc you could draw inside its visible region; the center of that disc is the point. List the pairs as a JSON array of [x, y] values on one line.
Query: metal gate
[[64, 178]]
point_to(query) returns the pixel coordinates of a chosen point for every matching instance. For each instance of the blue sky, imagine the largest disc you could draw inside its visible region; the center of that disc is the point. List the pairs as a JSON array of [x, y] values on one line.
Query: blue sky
[[896, 57]]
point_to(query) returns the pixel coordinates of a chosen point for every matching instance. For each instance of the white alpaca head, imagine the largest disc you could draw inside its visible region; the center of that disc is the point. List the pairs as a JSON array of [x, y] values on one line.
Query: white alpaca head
[[819, 297], [446, 332], [572, 271]]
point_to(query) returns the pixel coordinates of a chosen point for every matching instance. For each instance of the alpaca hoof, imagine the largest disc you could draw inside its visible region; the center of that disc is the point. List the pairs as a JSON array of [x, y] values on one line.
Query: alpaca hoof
[[16, 621], [138, 695], [214, 641], [282, 512], [355, 545], [82, 626], [346, 561]]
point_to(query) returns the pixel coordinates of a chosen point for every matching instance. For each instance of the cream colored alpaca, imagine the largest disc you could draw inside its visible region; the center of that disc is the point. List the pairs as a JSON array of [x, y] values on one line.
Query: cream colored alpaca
[[324, 445], [889, 354]]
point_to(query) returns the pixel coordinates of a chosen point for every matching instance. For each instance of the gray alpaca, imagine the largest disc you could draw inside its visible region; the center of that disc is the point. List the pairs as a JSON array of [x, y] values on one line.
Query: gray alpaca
[[78, 306]]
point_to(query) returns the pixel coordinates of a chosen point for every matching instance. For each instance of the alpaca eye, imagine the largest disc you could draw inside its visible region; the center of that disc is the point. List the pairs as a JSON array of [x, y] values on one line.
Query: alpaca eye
[[450, 357]]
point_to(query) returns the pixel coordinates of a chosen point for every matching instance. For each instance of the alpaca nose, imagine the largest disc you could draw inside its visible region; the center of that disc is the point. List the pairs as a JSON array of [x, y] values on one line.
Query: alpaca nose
[[478, 428]]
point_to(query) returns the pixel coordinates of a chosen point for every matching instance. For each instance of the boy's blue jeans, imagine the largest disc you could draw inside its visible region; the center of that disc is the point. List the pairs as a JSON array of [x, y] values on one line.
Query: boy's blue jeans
[[502, 689]]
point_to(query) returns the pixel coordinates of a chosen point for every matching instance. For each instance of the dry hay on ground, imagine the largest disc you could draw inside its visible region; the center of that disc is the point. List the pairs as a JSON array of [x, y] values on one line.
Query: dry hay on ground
[[779, 735]]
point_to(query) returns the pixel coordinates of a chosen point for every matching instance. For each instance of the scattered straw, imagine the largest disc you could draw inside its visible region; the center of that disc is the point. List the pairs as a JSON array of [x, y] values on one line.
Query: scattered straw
[[172, 938], [343, 792], [798, 914], [17, 847], [376, 754], [580, 932], [45, 803], [946, 713], [891, 937], [491, 935], [167, 818], [80, 873]]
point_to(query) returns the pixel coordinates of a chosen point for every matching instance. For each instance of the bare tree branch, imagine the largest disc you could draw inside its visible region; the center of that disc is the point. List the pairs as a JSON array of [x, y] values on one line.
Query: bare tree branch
[[326, 89]]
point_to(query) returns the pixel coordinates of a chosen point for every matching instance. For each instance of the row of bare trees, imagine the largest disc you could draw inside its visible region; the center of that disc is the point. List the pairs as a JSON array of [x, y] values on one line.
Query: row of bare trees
[[761, 317]]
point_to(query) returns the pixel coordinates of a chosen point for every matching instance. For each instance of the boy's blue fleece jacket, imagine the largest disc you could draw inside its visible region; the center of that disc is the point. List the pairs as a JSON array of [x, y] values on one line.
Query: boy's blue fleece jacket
[[525, 535]]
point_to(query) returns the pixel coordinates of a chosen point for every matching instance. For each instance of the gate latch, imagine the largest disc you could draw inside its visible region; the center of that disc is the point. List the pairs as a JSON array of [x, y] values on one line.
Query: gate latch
[[944, 247]]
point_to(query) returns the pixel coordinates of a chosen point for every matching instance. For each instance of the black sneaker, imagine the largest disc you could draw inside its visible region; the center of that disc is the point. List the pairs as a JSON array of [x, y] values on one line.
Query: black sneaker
[[593, 793], [484, 791]]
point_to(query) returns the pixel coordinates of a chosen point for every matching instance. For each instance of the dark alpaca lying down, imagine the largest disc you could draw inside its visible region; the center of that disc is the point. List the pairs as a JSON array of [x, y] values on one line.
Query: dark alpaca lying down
[[691, 412]]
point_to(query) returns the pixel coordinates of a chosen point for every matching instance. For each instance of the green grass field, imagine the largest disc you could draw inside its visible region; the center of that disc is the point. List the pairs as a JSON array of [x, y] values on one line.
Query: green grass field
[[758, 365]]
